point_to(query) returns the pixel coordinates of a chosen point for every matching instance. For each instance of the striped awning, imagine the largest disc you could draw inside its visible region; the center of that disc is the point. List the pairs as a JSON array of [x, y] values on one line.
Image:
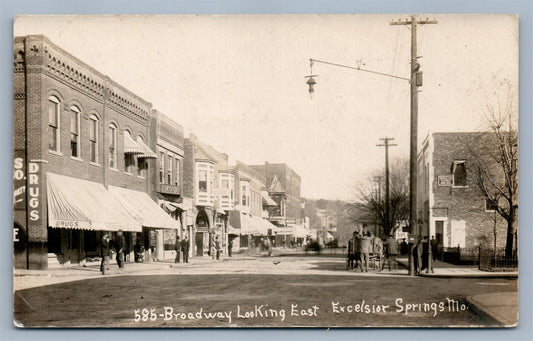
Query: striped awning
[[86, 205], [130, 146], [147, 152], [143, 208]]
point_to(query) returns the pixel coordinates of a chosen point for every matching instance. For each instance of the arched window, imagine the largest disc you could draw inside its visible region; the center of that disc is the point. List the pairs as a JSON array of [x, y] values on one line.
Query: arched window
[[93, 138], [75, 131], [54, 106], [142, 165], [459, 173], [112, 146], [129, 159]]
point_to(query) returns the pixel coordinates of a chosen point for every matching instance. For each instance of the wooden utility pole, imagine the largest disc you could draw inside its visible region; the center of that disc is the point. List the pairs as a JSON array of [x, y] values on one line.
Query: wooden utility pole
[[386, 144], [416, 81]]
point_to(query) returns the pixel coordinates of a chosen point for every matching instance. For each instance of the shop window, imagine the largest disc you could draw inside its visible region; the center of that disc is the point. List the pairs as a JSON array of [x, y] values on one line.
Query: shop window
[[459, 173], [243, 241], [53, 123], [74, 131], [93, 138], [54, 240]]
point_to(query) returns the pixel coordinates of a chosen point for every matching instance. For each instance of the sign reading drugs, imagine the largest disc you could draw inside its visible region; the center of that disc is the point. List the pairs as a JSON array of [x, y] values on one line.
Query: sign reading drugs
[[34, 200]]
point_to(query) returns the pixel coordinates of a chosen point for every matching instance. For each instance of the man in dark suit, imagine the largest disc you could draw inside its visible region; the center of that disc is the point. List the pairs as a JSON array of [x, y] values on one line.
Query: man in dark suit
[[177, 247], [120, 246], [185, 249], [105, 252]]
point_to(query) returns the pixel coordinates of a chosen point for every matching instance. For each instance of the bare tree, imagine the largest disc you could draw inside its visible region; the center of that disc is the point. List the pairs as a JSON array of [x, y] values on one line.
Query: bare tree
[[495, 163], [369, 207]]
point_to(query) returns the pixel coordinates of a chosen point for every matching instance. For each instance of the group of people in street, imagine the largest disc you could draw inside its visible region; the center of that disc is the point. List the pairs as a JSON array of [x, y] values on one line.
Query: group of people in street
[[182, 247], [106, 249], [363, 248]]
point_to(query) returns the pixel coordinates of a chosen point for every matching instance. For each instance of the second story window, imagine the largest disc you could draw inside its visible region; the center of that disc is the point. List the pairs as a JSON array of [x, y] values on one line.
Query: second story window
[[53, 123], [202, 181], [169, 170], [112, 146], [459, 173], [142, 166], [177, 173], [161, 167], [491, 205], [93, 138], [75, 131], [129, 159]]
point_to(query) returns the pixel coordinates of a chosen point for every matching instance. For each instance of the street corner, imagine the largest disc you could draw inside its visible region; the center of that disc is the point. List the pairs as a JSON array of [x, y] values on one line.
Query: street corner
[[501, 308]]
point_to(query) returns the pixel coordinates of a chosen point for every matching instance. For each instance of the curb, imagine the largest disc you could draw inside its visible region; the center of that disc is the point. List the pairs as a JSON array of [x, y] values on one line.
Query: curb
[[493, 317], [472, 275]]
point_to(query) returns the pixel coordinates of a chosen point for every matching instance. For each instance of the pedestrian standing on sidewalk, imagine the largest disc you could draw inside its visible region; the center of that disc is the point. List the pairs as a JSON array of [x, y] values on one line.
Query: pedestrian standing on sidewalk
[[105, 252], [120, 245], [350, 258], [434, 248], [217, 247], [391, 251], [365, 251], [177, 247], [185, 249], [230, 246], [357, 249]]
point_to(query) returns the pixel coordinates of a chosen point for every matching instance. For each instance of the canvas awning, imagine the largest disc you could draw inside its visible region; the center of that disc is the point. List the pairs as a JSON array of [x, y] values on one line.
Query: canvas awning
[[147, 152], [170, 205], [267, 225], [232, 230], [249, 225], [299, 231], [267, 200], [131, 147], [81, 204], [143, 208]]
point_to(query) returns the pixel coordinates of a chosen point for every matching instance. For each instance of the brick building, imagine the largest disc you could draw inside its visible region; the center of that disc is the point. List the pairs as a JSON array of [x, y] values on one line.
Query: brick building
[[283, 185], [249, 217], [81, 159], [168, 181], [450, 204], [209, 182]]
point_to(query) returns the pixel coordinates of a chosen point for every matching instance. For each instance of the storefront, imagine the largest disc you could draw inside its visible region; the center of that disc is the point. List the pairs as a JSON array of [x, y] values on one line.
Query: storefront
[[153, 219], [79, 212]]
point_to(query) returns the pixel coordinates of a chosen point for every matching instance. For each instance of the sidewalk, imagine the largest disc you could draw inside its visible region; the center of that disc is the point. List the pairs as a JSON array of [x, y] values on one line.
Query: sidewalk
[[447, 270], [502, 307]]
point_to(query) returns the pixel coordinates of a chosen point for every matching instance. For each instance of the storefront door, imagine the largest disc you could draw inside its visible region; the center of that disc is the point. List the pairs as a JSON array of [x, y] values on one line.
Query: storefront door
[[199, 243]]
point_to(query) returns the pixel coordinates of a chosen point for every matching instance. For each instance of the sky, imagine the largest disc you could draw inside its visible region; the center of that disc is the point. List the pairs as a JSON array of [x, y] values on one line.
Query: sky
[[237, 82]]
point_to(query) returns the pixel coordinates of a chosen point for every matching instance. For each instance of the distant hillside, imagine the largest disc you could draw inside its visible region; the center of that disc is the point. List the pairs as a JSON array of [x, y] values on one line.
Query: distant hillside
[[338, 213]]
